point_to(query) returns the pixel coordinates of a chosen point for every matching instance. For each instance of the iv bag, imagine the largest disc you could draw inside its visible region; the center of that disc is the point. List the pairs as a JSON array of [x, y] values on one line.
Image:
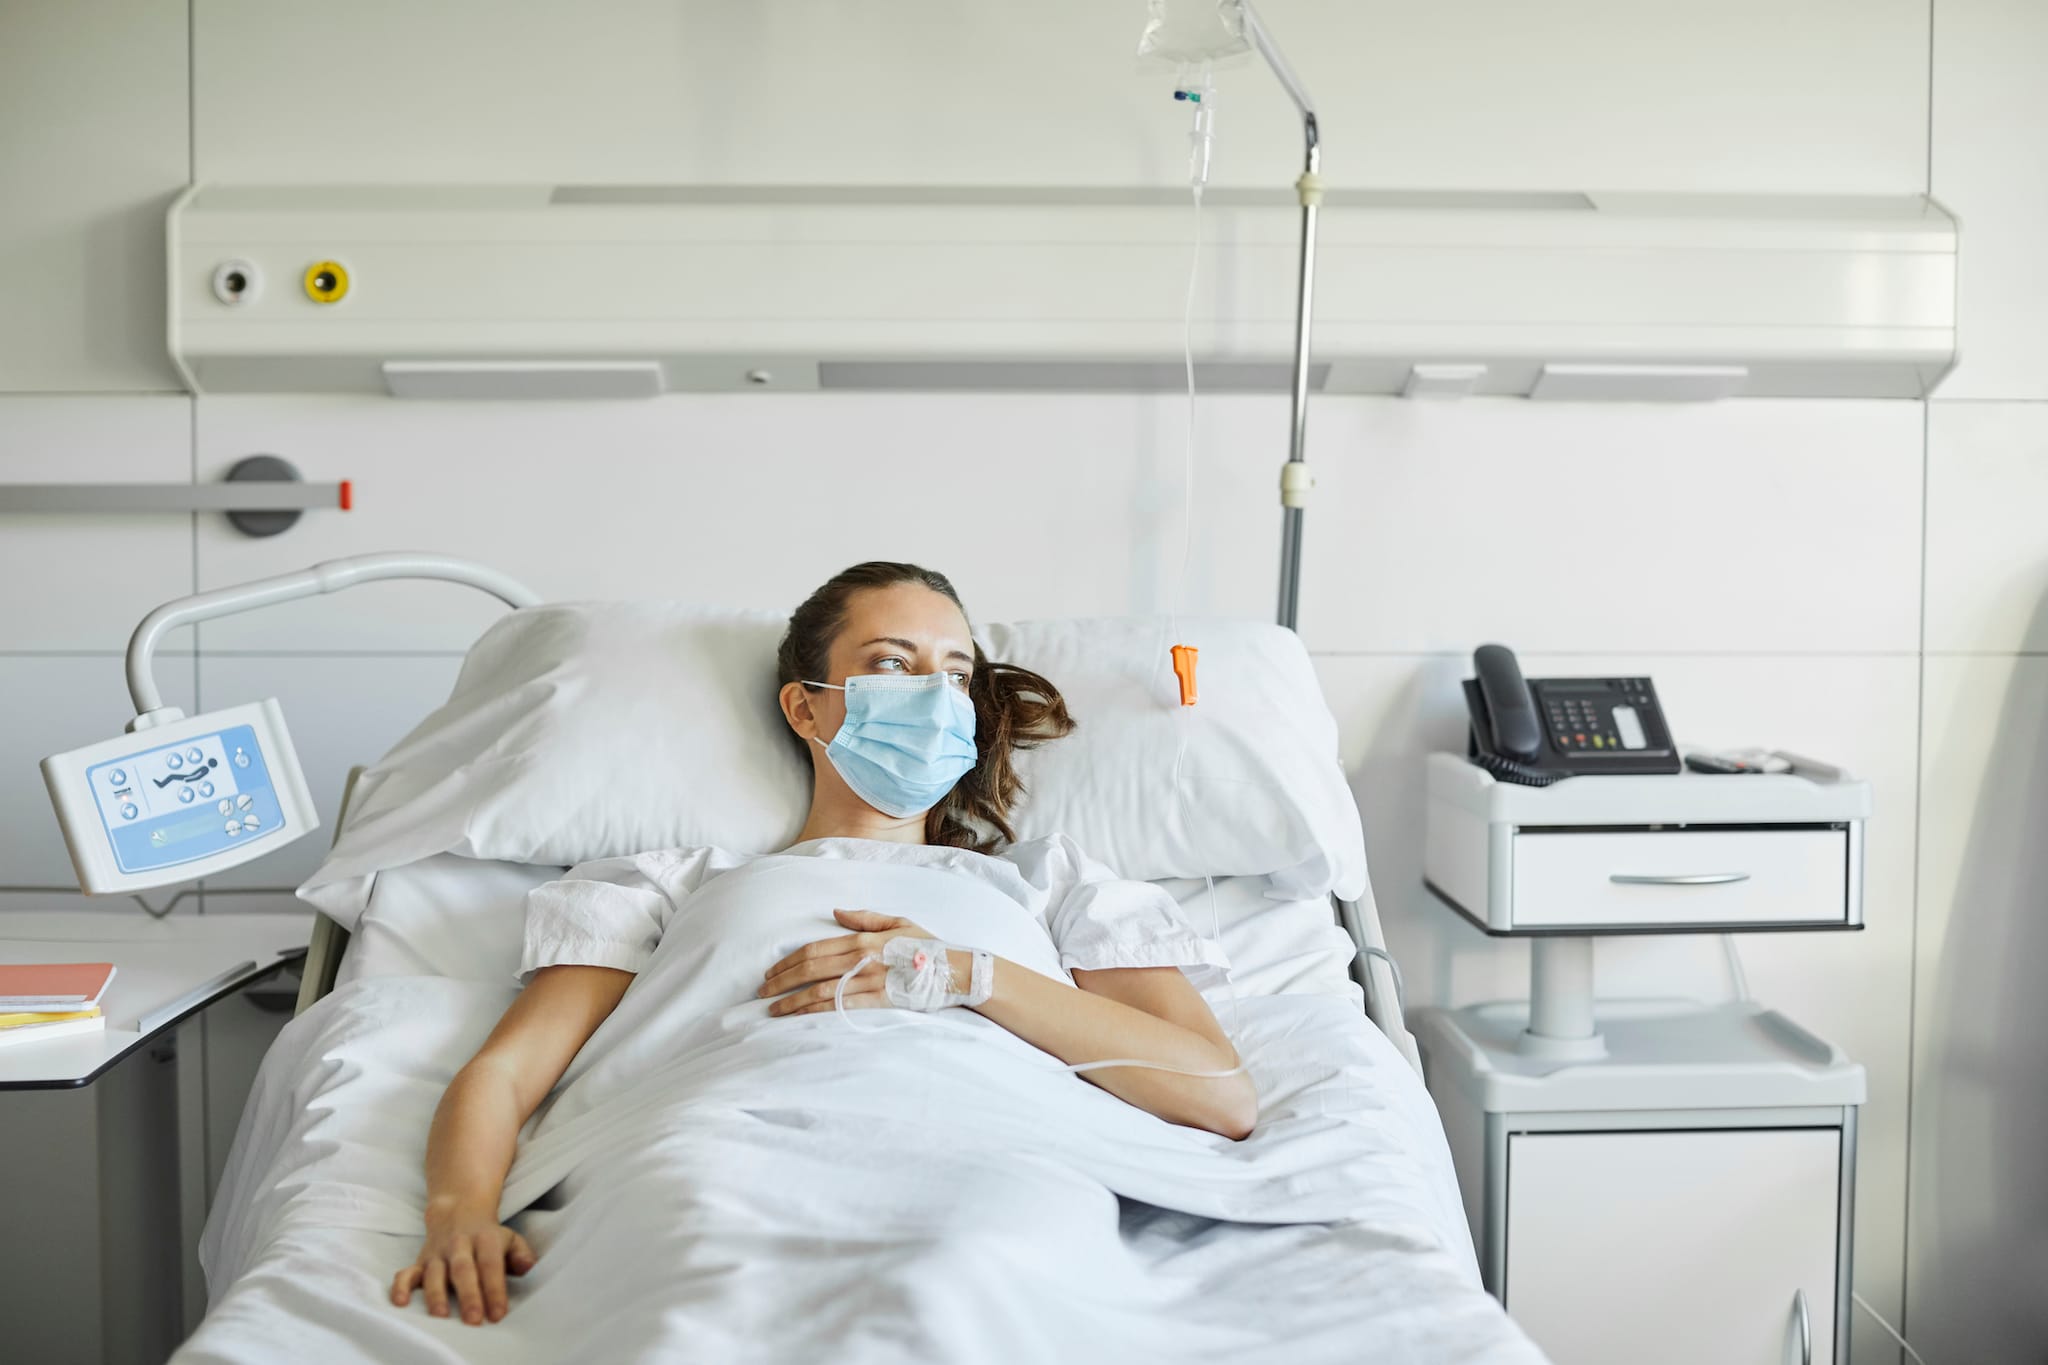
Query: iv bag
[[1190, 32]]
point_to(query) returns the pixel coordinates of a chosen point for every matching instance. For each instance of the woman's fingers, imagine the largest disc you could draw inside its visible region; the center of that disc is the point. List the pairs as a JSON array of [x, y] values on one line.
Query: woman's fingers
[[469, 1293], [824, 947], [817, 969], [436, 1285], [868, 978], [470, 1279], [875, 930], [490, 1274], [867, 999]]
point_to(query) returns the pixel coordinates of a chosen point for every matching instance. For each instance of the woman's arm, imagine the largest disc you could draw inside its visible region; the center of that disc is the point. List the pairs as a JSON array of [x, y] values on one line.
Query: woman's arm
[[476, 1131], [1149, 1013]]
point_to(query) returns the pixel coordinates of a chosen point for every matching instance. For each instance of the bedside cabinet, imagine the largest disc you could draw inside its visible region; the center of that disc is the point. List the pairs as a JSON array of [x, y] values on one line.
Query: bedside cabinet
[[1686, 1199], [1649, 1180]]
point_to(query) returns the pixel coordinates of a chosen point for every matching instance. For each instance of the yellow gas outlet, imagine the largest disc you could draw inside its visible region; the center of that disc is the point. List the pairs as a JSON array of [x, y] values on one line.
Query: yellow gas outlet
[[326, 282]]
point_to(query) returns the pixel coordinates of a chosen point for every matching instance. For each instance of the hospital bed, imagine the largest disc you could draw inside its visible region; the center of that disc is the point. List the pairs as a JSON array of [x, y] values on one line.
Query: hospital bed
[[319, 1204]]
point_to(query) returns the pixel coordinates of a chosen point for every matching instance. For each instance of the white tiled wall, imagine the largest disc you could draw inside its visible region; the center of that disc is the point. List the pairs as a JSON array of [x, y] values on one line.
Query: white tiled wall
[[1990, 109], [1977, 1239], [664, 499], [93, 145], [80, 583], [1626, 527], [1739, 95], [1861, 580], [1979, 1184], [1987, 535]]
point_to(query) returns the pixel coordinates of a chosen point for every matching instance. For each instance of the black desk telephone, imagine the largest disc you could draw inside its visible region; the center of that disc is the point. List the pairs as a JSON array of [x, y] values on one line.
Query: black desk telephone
[[1542, 730]]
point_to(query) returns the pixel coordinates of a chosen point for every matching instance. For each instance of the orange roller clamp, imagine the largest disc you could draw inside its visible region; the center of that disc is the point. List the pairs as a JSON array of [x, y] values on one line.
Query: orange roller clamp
[[1184, 669]]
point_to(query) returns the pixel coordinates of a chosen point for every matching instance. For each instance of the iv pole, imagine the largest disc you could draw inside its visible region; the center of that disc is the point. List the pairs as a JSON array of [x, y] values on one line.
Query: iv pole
[[1295, 478]]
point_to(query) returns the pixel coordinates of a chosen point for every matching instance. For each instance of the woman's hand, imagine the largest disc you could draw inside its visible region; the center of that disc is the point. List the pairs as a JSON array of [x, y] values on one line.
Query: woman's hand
[[818, 966], [469, 1251]]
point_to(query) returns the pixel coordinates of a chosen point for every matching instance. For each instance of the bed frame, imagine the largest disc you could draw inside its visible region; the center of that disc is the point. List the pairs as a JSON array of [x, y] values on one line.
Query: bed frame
[[1372, 966]]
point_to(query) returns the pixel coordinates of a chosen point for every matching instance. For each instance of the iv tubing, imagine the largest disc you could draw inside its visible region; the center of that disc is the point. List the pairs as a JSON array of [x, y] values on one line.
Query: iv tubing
[[839, 1008]]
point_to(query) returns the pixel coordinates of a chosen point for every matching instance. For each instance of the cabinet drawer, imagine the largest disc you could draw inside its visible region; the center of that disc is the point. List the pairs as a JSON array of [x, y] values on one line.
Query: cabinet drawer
[[1681, 878]]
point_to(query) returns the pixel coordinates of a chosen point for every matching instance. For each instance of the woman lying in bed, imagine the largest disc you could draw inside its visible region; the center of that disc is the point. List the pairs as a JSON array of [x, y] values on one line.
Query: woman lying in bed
[[910, 734]]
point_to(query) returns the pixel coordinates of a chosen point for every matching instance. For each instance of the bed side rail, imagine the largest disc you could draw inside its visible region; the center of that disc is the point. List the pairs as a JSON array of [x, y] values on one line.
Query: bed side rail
[[330, 940], [1375, 970]]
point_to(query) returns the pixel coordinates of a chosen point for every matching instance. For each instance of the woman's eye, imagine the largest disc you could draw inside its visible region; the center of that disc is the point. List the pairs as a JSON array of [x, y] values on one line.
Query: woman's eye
[[891, 664], [959, 679]]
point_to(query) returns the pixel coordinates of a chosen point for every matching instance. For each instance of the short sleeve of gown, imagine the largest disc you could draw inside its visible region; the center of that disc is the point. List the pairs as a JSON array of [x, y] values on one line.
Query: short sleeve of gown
[[607, 913], [1100, 921]]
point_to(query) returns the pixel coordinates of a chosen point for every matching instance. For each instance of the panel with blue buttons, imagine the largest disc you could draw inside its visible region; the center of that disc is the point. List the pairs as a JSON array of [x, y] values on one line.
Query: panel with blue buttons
[[184, 798], [185, 801]]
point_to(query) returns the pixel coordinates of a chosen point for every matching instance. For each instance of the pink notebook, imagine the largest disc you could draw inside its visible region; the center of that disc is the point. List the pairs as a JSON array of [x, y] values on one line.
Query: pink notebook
[[53, 985]]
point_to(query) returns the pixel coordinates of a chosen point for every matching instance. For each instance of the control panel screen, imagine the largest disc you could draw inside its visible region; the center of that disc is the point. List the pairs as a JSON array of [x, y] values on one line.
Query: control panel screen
[[185, 801]]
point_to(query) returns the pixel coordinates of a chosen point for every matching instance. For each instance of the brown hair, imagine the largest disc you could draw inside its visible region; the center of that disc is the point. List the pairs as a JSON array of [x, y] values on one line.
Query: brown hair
[[1014, 708]]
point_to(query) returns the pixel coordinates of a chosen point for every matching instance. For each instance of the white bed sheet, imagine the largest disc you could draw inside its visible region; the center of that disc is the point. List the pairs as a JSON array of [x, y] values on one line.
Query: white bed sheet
[[321, 1196]]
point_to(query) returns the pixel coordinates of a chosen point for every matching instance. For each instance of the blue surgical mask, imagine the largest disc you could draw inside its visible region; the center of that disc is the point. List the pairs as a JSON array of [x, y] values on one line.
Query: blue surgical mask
[[907, 739]]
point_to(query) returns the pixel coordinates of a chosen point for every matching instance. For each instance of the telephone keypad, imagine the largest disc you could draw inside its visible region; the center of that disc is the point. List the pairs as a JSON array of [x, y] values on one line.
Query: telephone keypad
[[1581, 725]]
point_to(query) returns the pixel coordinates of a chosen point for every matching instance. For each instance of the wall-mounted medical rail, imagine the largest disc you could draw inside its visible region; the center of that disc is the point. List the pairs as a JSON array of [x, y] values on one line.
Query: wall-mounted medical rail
[[261, 496]]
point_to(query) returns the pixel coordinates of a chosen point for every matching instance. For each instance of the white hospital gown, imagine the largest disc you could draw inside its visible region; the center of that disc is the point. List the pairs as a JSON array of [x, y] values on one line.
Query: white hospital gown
[[612, 912]]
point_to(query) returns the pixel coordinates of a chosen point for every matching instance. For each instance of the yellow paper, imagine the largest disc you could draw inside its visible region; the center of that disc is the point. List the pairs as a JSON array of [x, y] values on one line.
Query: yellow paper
[[17, 1020]]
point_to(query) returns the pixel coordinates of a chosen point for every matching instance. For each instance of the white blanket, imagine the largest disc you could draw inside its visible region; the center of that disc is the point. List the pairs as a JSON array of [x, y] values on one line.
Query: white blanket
[[710, 1183]]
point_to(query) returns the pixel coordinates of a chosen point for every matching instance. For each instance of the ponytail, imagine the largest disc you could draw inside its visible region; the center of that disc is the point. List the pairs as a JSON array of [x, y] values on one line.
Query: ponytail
[[1014, 708]]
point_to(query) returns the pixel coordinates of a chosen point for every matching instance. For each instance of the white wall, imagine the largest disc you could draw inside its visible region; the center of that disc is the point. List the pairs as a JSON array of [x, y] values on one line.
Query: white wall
[[1859, 580], [1978, 1192]]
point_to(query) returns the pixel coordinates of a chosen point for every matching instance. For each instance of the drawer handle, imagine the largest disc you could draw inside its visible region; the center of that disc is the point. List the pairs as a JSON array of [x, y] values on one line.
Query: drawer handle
[[1678, 879], [1805, 1327]]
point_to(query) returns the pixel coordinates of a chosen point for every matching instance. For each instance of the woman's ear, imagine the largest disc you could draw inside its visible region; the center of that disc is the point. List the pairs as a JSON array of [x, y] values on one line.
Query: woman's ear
[[796, 709]]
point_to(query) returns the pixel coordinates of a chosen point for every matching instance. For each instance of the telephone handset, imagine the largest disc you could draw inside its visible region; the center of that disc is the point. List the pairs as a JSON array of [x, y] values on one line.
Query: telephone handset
[[1541, 730]]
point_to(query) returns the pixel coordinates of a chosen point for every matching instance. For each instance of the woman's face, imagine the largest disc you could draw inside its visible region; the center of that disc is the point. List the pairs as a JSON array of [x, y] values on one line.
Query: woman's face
[[903, 628]]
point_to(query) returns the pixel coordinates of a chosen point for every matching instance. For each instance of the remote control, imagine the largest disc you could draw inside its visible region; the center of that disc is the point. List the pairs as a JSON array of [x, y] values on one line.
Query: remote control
[[1717, 763]]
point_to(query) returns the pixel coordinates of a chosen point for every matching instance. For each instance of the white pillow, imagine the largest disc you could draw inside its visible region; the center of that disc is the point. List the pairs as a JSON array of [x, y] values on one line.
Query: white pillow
[[590, 730], [579, 731], [1246, 782]]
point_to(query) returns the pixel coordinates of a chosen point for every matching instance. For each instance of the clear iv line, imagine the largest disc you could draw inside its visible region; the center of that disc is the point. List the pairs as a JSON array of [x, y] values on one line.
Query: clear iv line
[[1187, 482], [839, 1008], [1198, 178]]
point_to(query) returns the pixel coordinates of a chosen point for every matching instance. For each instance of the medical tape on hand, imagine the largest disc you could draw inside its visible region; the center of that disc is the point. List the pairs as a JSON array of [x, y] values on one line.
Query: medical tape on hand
[[921, 975]]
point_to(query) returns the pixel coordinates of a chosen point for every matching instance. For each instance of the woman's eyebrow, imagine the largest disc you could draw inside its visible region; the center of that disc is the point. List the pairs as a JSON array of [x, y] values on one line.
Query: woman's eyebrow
[[902, 643]]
